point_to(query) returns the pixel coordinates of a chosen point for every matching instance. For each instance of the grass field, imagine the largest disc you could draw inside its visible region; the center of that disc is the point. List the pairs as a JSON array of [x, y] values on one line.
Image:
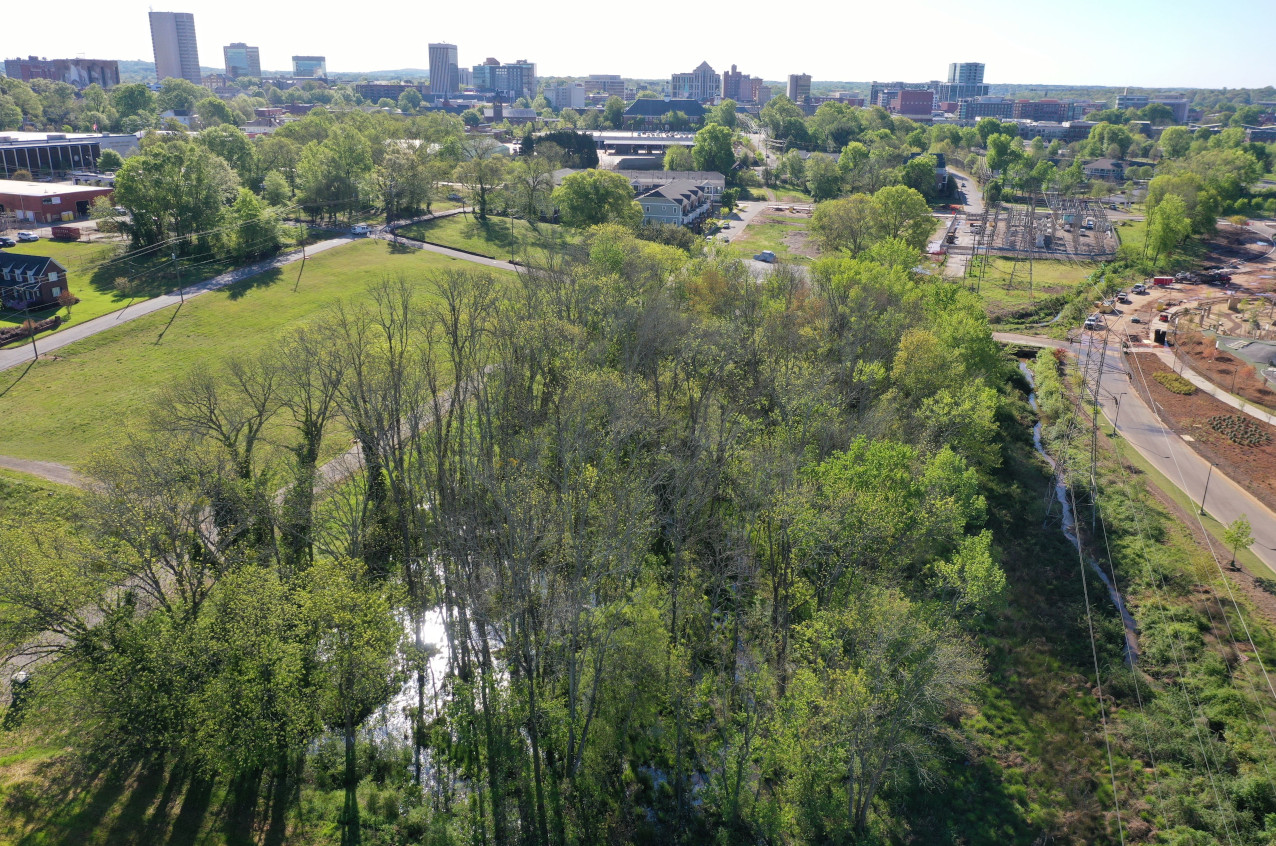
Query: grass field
[[491, 238], [761, 236], [68, 408], [1001, 294], [80, 260], [789, 194]]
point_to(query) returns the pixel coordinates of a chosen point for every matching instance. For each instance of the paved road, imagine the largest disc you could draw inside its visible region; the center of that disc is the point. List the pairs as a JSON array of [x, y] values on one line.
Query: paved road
[[20, 355], [972, 199], [1163, 449]]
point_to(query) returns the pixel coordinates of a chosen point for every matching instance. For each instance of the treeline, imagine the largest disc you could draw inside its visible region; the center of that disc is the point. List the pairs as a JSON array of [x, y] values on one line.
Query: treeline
[[709, 554]]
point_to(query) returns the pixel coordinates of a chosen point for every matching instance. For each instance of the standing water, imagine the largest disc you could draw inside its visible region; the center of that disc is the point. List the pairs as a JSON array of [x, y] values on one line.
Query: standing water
[[1070, 526]]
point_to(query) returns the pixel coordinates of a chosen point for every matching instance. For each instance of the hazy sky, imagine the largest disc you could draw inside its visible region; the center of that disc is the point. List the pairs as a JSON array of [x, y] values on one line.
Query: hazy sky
[[1161, 43]]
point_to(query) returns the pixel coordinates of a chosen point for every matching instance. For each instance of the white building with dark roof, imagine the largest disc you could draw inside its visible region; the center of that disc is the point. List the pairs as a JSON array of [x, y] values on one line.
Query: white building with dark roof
[[680, 203]]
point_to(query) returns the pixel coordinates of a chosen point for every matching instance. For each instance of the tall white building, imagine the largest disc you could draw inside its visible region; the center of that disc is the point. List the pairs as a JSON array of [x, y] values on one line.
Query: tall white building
[[176, 53], [966, 73], [444, 78], [566, 95], [703, 83]]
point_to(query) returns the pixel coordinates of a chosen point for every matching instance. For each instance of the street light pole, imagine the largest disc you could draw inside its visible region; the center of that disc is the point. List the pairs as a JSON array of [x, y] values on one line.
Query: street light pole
[[1207, 487]]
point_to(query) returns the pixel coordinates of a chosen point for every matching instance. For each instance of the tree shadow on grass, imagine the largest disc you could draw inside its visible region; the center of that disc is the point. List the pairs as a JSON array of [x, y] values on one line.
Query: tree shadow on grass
[[265, 279]]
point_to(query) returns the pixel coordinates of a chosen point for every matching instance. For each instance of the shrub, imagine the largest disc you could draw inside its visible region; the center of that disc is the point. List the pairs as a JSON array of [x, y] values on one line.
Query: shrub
[[1174, 382], [1240, 430]]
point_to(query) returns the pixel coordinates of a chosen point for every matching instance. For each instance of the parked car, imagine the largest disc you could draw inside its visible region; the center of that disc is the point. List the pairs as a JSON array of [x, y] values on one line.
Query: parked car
[[1136, 319], [766, 255], [359, 229], [28, 236], [455, 196], [6, 241]]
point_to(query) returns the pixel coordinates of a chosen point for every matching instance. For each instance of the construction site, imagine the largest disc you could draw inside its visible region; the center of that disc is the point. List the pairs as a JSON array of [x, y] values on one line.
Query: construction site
[[1050, 226]]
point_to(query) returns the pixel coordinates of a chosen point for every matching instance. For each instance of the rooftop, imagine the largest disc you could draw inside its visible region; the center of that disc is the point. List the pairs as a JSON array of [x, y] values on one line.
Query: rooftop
[[18, 188]]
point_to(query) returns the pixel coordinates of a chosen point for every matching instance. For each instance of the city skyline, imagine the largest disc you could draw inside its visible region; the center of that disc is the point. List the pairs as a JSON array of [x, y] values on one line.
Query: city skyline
[[1175, 42]]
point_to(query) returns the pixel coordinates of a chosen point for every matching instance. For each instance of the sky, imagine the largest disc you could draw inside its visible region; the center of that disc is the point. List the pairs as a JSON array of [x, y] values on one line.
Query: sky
[[1145, 43]]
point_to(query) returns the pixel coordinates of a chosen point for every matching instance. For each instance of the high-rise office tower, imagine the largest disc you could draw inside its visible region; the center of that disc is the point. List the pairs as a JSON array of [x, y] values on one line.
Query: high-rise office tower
[[242, 60], [310, 67], [176, 53], [444, 78], [966, 73], [799, 87]]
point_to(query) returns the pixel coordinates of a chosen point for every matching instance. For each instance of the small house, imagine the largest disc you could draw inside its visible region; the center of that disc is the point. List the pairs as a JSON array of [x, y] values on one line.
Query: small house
[[30, 283]]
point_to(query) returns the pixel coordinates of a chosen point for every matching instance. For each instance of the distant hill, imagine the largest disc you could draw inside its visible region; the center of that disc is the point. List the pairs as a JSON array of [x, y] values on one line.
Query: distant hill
[[140, 71], [413, 74]]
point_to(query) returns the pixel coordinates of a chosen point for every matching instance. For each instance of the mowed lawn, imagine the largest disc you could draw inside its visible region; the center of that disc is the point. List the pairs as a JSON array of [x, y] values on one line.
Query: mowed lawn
[[768, 232], [494, 237], [80, 260], [69, 408]]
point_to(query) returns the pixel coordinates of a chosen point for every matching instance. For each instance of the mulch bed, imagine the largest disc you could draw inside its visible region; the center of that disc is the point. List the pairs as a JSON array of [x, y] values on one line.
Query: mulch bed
[[1225, 370], [1254, 468]]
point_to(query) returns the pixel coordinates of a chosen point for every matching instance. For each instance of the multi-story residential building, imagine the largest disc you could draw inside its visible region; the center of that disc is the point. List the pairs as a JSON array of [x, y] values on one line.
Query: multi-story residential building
[[762, 94], [1049, 110], [443, 69], [511, 81], [740, 86], [1178, 105], [310, 67], [610, 84], [176, 51], [799, 87], [982, 107], [566, 95], [681, 203], [242, 60], [701, 84], [78, 72], [375, 91]]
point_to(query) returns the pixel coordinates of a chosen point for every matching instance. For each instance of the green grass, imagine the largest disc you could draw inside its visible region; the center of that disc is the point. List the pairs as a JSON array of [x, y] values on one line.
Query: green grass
[[494, 238], [1049, 279], [769, 236], [69, 408], [80, 259], [789, 194]]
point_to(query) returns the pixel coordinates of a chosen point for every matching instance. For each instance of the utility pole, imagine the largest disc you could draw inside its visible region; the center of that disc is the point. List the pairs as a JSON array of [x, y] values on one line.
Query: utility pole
[[1201, 509], [181, 292]]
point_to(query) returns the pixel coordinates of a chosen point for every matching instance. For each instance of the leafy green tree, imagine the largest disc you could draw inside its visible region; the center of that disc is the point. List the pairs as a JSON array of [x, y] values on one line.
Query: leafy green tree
[[471, 117], [900, 212], [1004, 151], [256, 230], [845, 224], [281, 154], [10, 114], [410, 100], [275, 189], [595, 197], [1168, 226], [330, 174], [179, 95], [918, 173], [233, 146], [1158, 114], [110, 161], [724, 114], [614, 112], [678, 157], [676, 120], [730, 199], [823, 178], [1237, 535], [213, 111], [865, 707], [713, 149], [779, 115], [482, 172], [1175, 141], [178, 188], [132, 98], [354, 660]]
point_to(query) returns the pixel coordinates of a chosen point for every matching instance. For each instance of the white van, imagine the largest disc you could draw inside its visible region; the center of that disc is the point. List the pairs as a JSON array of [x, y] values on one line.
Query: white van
[[359, 229]]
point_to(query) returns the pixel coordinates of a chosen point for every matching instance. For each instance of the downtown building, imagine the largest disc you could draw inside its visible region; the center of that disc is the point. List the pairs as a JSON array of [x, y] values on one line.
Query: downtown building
[[176, 51], [80, 73], [242, 60], [444, 79], [310, 67], [509, 81], [701, 84], [740, 86]]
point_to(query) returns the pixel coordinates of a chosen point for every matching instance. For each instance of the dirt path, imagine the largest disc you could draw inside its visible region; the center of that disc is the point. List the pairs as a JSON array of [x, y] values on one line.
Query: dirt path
[[46, 470]]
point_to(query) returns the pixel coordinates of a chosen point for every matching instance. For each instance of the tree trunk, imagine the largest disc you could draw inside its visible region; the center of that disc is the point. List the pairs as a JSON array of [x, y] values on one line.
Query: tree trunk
[[350, 813]]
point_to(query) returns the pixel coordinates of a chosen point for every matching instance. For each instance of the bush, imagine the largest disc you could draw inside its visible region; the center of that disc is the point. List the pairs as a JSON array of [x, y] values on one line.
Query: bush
[[1176, 383], [1240, 430]]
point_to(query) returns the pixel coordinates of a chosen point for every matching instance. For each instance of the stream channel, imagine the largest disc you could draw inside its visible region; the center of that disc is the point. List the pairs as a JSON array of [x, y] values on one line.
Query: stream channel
[[1070, 526]]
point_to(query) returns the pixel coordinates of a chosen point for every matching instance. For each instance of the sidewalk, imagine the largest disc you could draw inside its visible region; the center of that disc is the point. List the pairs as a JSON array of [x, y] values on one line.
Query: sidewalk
[[1169, 360], [20, 355]]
